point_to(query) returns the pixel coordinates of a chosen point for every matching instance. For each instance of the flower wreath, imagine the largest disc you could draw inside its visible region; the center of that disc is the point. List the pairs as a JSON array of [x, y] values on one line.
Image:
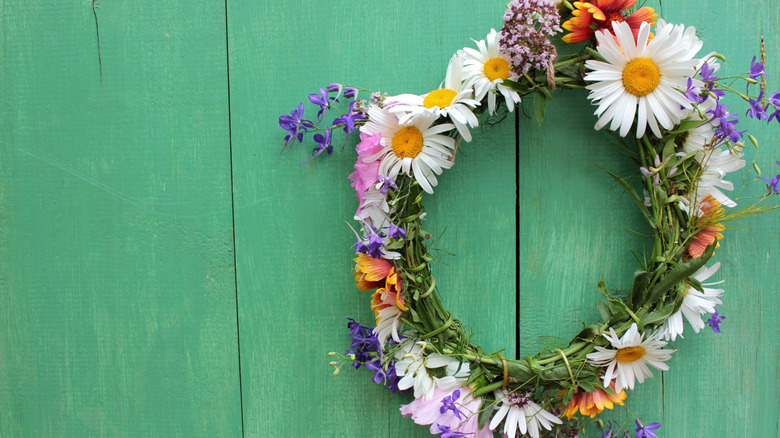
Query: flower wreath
[[662, 101]]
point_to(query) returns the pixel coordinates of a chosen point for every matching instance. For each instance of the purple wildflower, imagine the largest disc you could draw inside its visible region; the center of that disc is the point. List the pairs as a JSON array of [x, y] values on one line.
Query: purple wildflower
[[715, 320], [448, 404], [323, 143], [774, 183], [756, 69], [707, 73], [726, 129], [387, 184], [348, 120], [365, 346], [373, 246], [774, 99], [643, 431], [294, 124], [692, 93], [528, 24], [756, 110], [396, 232], [322, 100], [350, 92], [447, 433], [608, 433], [334, 88]]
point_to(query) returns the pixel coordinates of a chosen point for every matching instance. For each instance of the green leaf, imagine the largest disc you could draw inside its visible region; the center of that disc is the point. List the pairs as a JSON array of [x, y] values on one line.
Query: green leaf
[[486, 409], [520, 87], [587, 386], [540, 106], [679, 273], [640, 202], [604, 311], [639, 288]]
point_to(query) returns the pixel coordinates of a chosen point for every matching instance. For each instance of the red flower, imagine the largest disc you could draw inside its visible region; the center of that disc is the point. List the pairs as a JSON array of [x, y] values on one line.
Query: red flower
[[598, 15]]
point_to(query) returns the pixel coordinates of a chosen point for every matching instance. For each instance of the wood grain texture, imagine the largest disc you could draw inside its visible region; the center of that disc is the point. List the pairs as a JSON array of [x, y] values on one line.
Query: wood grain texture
[[118, 292], [293, 246], [574, 231]]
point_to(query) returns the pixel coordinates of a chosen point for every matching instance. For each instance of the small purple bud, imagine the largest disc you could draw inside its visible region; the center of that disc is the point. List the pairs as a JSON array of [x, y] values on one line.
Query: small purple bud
[[334, 88], [350, 92]]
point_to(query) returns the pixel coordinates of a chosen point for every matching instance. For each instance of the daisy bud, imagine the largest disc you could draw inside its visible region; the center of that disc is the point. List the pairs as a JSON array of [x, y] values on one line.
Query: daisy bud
[[336, 373]]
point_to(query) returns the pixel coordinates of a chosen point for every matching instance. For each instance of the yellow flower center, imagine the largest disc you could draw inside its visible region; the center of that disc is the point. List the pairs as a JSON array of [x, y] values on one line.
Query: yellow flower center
[[630, 354], [641, 76], [496, 68], [442, 98], [408, 142]]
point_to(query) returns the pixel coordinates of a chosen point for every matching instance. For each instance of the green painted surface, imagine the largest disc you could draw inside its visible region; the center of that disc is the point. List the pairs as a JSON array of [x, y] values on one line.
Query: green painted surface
[[118, 294], [116, 224]]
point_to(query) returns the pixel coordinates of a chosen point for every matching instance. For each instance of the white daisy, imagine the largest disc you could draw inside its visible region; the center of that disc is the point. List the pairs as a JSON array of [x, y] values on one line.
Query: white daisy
[[628, 361], [485, 70], [694, 305], [642, 78], [413, 367], [417, 148], [520, 413], [715, 167], [452, 100]]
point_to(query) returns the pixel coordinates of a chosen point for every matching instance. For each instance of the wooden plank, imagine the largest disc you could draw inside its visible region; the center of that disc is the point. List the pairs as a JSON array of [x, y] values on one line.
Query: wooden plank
[[727, 384], [293, 255], [118, 291], [574, 225]]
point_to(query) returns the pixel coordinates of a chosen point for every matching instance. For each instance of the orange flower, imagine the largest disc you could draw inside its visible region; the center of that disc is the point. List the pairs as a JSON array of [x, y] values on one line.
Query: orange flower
[[709, 227], [370, 272], [592, 403], [590, 17], [388, 295]]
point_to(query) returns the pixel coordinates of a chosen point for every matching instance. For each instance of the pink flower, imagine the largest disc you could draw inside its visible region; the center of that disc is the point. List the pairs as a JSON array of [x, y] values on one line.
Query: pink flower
[[366, 174], [454, 408]]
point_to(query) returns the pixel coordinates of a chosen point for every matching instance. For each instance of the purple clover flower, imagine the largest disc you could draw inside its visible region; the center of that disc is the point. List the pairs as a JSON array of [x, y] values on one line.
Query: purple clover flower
[[756, 69], [448, 404], [756, 110], [715, 320], [294, 124], [528, 24], [646, 431]]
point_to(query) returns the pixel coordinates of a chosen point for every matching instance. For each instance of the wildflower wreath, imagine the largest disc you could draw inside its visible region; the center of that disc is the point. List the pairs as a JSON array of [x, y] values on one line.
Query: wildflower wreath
[[658, 97]]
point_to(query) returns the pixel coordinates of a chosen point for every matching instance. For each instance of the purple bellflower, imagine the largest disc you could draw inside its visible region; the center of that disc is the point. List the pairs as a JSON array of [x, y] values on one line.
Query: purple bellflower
[[646, 431]]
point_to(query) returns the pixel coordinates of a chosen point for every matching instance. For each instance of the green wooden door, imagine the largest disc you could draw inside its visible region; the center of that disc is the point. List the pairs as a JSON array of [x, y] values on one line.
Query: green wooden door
[[165, 272]]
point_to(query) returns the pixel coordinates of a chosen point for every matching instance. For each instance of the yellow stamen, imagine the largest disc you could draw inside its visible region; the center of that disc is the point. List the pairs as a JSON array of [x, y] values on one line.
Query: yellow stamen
[[496, 68], [408, 142], [630, 354], [641, 76], [442, 98]]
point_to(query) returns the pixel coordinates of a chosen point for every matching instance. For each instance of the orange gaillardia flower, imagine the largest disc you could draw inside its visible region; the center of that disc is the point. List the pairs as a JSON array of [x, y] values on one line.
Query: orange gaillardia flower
[[370, 272], [592, 403], [709, 227], [590, 17]]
